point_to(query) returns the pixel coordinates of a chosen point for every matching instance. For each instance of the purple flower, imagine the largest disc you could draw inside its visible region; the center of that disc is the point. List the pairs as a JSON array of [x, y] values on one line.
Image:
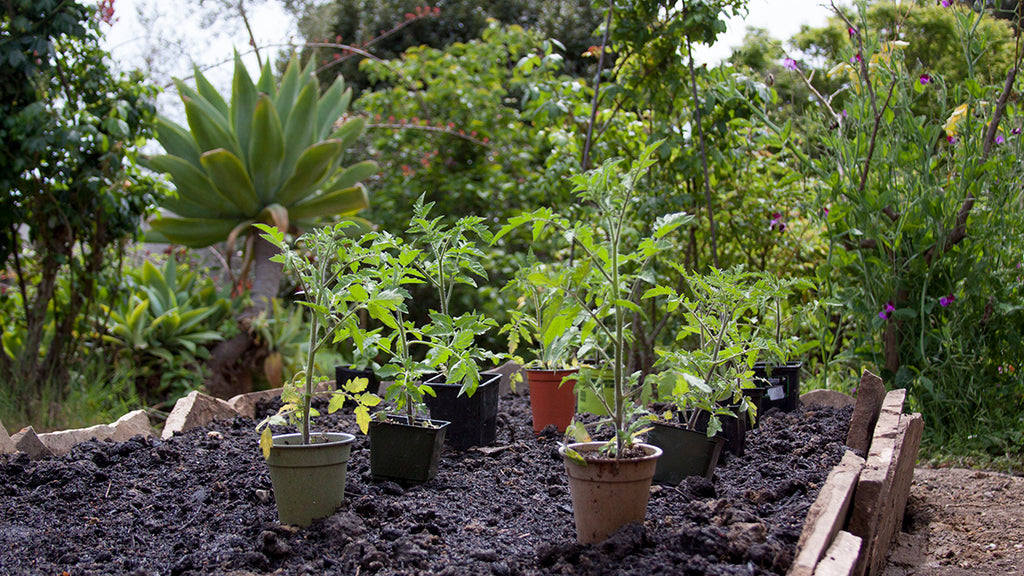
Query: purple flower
[[947, 300], [1015, 131], [951, 139], [946, 3], [1000, 139], [925, 79], [790, 64], [851, 31], [886, 312], [776, 222], [855, 58]]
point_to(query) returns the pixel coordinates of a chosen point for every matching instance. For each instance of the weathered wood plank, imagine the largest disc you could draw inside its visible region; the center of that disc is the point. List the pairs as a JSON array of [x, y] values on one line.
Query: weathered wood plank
[[870, 395], [827, 515], [841, 557], [908, 443], [875, 482]]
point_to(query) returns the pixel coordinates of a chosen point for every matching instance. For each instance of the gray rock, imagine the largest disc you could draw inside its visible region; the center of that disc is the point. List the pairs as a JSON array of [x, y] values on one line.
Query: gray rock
[[824, 397], [511, 378], [130, 425], [62, 442], [6, 445], [196, 409], [28, 442], [245, 404]]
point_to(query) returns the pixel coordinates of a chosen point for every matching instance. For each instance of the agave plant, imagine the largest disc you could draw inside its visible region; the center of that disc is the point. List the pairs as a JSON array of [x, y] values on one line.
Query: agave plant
[[273, 155]]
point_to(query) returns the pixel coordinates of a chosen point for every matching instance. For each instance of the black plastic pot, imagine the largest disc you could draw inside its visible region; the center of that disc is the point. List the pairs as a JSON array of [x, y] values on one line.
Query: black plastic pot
[[755, 396], [684, 452], [343, 375], [474, 419], [734, 430], [403, 452], [783, 383]]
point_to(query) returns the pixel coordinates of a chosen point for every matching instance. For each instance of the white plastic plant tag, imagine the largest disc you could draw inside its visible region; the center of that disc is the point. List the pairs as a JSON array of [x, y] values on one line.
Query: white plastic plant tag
[[776, 393]]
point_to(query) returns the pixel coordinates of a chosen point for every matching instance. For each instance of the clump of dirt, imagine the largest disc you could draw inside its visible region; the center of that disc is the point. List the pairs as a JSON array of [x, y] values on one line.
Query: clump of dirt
[[201, 503]]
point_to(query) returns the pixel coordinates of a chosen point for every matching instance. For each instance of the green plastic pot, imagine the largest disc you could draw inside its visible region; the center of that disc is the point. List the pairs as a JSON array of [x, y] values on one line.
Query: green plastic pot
[[684, 453], [403, 452], [309, 479]]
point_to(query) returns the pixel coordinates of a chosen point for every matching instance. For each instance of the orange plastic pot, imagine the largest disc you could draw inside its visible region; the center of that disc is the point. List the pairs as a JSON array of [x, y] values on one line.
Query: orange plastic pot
[[552, 398]]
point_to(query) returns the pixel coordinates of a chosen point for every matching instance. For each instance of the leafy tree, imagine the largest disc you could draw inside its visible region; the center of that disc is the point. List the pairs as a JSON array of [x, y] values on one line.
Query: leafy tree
[[71, 129], [387, 28], [273, 155]]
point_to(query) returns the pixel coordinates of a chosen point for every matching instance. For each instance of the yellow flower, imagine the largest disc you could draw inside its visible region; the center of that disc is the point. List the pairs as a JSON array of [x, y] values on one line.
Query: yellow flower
[[954, 119]]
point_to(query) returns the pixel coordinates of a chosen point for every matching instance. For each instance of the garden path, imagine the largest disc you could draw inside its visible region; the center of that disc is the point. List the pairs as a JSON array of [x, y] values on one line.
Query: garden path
[[961, 522]]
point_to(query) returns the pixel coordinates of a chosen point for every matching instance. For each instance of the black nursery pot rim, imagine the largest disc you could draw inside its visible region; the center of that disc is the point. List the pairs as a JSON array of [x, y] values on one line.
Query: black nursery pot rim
[[403, 420]]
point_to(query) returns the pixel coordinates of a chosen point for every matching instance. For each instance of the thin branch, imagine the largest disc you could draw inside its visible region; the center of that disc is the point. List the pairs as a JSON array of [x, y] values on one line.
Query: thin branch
[[585, 161]]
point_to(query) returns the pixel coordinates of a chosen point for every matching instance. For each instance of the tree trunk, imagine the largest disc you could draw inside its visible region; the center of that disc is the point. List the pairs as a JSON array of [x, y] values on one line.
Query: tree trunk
[[232, 362]]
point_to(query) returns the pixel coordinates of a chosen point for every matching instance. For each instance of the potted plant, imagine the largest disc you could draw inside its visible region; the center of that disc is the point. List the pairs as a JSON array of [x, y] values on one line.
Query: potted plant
[[609, 481], [447, 257], [777, 374], [542, 320], [705, 376], [308, 470], [404, 445]]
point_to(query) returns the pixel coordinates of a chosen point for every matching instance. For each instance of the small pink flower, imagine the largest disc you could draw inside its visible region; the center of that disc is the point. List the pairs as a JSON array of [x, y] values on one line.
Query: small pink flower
[[1000, 139], [776, 222], [946, 3], [1015, 131], [925, 79], [886, 312], [947, 300], [790, 64], [855, 58], [851, 31], [951, 139]]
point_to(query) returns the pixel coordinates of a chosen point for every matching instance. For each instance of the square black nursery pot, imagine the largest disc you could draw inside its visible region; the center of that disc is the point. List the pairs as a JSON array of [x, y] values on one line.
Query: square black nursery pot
[[783, 385], [343, 374], [474, 419]]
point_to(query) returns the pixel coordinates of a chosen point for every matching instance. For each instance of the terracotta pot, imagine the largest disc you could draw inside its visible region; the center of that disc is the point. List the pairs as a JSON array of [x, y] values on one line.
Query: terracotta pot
[[552, 399], [608, 494], [309, 479]]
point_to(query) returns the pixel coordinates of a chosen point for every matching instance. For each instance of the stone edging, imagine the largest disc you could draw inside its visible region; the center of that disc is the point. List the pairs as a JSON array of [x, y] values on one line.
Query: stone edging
[[854, 520]]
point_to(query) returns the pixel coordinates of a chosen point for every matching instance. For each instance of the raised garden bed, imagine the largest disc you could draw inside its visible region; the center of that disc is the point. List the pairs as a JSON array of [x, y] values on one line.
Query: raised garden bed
[[200, 503]]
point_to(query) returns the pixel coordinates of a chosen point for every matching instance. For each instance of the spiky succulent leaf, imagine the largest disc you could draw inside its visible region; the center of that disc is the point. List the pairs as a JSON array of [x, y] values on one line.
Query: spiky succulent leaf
[[176, 140], [192, 232], [312, 167], [351, 176], [229, 176], [266, 150], [210, 94], [195, 187], [347, 201], [209, 131], [243, 104], [299, 128]]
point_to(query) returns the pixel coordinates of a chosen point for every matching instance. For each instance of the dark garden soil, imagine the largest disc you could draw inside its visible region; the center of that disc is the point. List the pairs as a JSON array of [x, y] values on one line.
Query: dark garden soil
[[201, 503]]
